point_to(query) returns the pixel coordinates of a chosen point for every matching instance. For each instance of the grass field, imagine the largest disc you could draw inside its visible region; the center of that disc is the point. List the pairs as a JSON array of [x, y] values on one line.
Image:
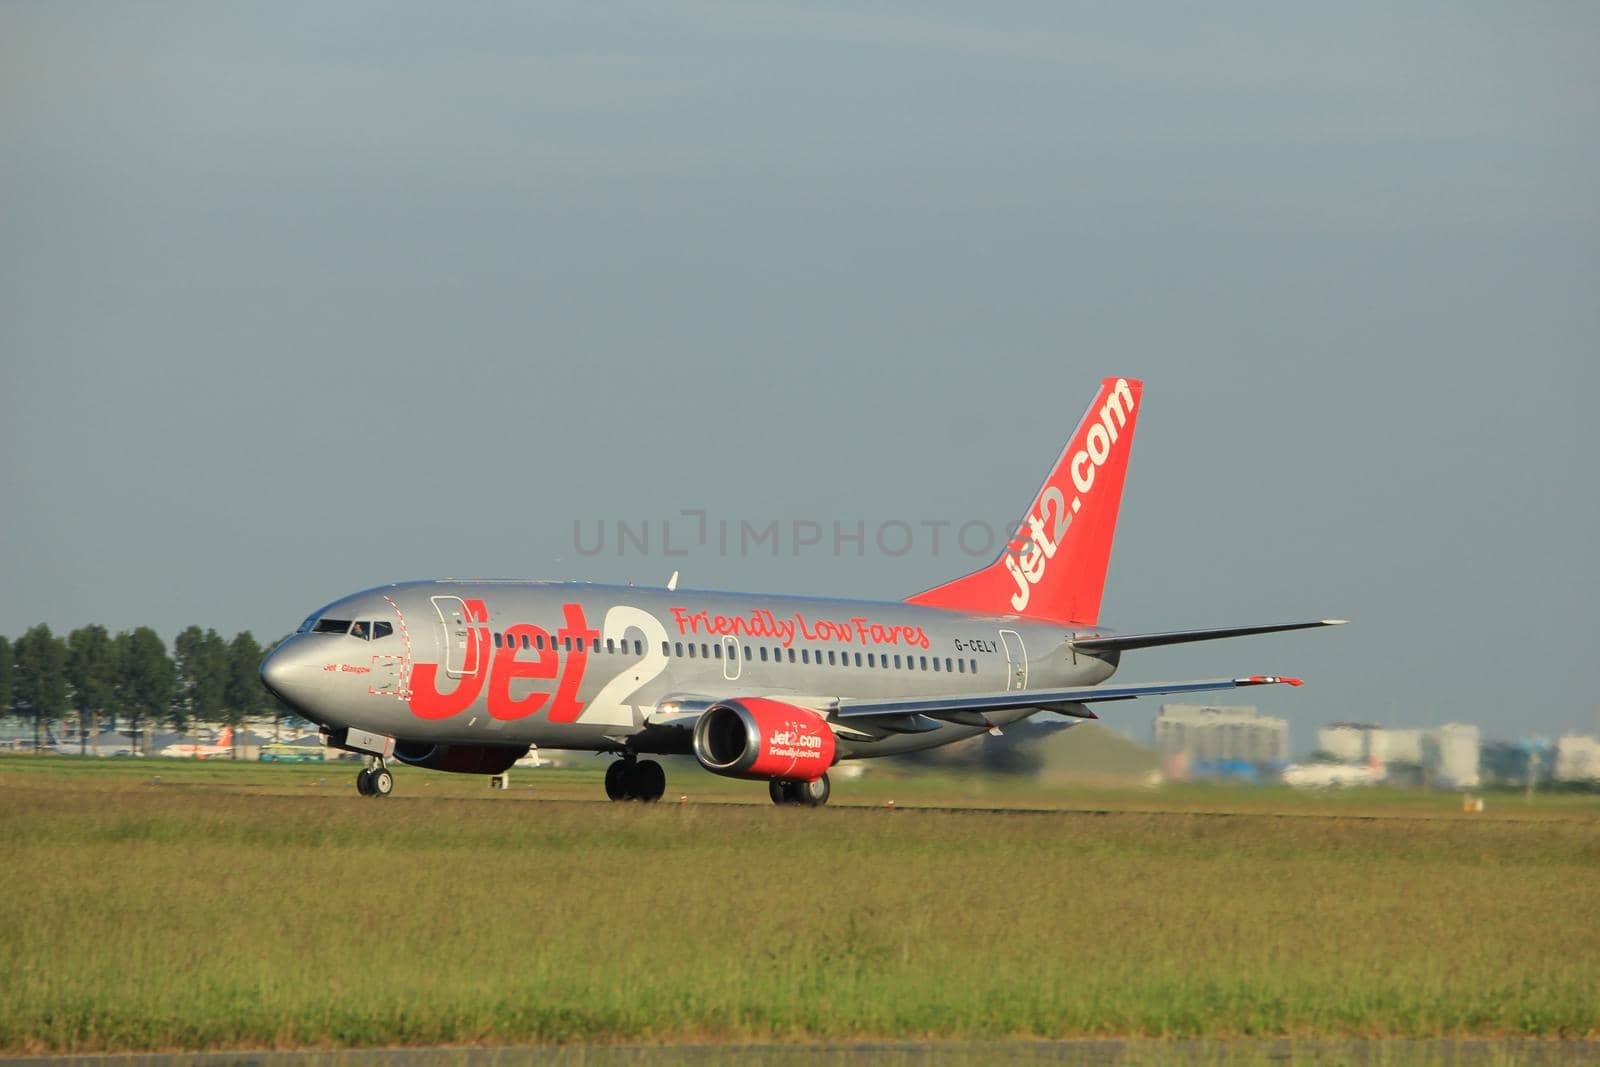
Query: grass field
[[245, 906]]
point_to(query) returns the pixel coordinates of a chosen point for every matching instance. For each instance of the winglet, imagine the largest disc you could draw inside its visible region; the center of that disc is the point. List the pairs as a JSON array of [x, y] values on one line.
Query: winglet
[[1268, 679]]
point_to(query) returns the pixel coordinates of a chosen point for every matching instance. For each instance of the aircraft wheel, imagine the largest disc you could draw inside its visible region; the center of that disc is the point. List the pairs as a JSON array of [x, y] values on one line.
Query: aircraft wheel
[[648, 781], [364, 782], [813, 794], [382, 782], [780, 791], [617, 780]]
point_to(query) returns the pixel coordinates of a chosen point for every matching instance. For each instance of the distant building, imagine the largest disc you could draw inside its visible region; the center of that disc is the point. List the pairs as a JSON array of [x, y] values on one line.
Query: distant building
[[1528, 759], [1577, 759], [1395, 746], [1196, 734], [1450, 754], [1347, 742]]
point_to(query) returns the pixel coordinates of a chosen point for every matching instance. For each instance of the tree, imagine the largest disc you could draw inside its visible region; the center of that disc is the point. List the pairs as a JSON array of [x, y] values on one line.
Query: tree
[[92, 676], [5, 675], [39, 680], [201, 660], [244, 697], [146, 679]]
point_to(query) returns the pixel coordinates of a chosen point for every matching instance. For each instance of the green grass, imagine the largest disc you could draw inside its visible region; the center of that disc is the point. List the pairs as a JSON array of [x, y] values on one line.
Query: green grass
[[241, 906]]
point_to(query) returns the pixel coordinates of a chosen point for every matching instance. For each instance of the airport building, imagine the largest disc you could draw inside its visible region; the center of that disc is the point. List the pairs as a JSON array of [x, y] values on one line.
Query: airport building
[[1450, 755], [1207, 735], [1363, 742], [1577, 759]]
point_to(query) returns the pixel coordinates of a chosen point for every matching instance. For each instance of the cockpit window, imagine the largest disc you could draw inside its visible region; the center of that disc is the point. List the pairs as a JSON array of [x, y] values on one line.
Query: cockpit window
[[381, 629], [331, 626], [361, 630]]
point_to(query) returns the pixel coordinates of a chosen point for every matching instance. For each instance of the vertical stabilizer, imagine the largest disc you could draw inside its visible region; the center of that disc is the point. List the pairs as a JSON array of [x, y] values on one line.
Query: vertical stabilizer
[[1055, 566]]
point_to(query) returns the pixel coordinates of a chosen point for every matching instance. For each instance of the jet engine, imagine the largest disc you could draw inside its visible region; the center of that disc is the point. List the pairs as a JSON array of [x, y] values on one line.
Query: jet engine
[[764, 739], [463, 759]]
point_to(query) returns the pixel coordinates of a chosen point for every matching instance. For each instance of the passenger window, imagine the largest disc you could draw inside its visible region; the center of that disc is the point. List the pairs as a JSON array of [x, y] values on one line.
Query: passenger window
[[858, 659], [961, 666], [974, 666], [691, 650], [679, 649], [897, 662], [497, 639], [666, 649], [746, 652], [805, 655], [716, 650], [872, 659], [763, 653], [381, 629], [567, 641], [924, 662], [936, 663], [791, 655], [947, 664]]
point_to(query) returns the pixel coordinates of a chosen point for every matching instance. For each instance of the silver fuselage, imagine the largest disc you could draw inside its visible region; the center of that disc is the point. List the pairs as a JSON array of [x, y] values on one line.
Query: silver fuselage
[[583, 666]]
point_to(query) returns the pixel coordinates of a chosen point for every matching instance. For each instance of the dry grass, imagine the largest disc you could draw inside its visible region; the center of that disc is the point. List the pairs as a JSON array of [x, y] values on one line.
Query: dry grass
[[250, 907]]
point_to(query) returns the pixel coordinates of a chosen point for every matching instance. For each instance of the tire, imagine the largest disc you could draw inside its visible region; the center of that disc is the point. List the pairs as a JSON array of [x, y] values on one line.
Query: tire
[[648, 781], [382, 783], [780, 792], [814, 793], [617, 780], [364, 783]]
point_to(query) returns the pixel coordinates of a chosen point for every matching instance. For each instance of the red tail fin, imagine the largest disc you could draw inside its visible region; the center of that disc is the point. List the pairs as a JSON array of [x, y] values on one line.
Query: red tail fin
[[1055, 566], [225, 738]]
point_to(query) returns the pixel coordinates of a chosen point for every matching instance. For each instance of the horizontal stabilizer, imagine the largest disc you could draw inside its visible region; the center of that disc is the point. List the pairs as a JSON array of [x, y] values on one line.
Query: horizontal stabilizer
[[1119, 642]]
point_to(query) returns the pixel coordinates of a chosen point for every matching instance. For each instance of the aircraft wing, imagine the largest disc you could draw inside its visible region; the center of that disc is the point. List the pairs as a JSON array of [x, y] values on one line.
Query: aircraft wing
[[919, 714], [1118, 642]]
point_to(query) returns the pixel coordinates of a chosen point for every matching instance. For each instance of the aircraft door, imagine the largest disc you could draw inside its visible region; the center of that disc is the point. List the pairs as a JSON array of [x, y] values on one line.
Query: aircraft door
[[1017, 658], [460, 650], [732, 664]]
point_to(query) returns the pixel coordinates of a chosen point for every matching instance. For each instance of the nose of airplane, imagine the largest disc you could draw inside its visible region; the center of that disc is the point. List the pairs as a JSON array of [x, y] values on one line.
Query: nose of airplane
[[288, 675]]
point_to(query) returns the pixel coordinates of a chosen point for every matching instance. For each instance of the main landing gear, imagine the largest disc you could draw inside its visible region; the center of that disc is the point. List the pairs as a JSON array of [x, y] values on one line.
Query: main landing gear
[[631, 778], [375, 781], [812, 794]]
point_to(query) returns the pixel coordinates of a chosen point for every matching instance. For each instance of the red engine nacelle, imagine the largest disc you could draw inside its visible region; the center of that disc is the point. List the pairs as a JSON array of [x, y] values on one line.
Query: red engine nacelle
[[756, 738], [463, 759]]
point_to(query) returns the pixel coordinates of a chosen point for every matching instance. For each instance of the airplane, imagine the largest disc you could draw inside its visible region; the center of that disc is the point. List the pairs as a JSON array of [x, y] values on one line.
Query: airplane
[[465, 676], [222, 748], [1333, 775]]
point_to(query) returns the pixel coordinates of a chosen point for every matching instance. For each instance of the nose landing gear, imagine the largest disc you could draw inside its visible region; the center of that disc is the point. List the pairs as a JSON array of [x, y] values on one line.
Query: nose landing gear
[[631, 778], [375, 781]]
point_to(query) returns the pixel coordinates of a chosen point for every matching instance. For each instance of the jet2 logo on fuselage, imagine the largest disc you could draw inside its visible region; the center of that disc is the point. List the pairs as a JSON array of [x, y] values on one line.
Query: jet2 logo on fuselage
[[428, 702], [562, 659]]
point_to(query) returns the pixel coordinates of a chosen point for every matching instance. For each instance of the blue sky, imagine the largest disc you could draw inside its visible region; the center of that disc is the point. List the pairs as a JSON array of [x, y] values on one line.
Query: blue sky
[[298, 299]]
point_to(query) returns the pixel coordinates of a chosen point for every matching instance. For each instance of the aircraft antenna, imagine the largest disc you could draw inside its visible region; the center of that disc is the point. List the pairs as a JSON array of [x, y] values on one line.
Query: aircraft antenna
[[672, 583]]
